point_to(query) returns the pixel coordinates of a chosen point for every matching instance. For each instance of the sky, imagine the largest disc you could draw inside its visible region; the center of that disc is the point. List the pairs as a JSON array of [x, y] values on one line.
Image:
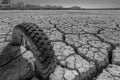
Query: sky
[[81, 3]]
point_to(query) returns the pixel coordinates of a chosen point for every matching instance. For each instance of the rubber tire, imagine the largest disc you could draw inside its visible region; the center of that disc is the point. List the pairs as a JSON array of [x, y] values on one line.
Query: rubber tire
[[40, 46]]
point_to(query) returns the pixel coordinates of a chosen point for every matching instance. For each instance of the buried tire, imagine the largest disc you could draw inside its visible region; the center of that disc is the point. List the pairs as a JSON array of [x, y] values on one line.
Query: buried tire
[[33, 38]]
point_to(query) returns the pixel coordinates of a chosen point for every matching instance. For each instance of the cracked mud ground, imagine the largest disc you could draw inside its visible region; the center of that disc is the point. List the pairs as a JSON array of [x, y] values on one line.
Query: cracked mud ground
[[87, 47]]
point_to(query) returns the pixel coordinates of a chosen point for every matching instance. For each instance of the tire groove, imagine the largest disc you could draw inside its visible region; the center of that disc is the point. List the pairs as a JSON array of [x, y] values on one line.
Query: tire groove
[[43, 46]]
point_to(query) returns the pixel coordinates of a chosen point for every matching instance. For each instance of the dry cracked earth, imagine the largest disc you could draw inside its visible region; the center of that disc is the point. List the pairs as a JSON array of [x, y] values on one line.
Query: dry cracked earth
[[87, 47]]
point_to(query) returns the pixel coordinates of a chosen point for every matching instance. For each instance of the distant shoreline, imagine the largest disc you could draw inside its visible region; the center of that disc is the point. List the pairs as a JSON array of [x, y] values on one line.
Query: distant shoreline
[[69, 9]]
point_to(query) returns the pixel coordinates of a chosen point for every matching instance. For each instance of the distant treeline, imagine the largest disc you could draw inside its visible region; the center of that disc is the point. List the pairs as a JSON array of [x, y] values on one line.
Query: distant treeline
[[22, 6]]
